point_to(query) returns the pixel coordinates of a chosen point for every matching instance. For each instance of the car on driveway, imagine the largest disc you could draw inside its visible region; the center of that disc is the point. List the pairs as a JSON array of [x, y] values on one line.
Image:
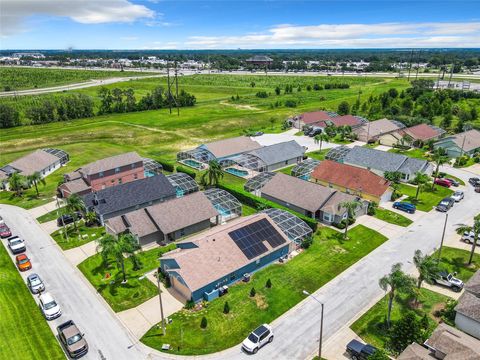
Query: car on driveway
[[35, 283], [72, 339], [23, 262], [445, 205], [469, 236], [16, 245], [360, 351], [474, 181], [5, 231], [404, 206], [453, 182], [49, 307], [443, 182], [449, 280], [258, 338], [458, 195]]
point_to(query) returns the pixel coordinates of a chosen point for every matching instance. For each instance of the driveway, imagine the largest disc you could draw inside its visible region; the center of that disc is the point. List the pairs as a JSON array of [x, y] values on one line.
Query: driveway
[[271, 139], [383, 227]]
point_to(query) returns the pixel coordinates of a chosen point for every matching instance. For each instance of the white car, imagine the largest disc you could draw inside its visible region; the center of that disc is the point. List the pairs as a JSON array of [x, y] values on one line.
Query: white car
[[257, 338], [48, 305], [16, 245], [457, 196], [468, 237]]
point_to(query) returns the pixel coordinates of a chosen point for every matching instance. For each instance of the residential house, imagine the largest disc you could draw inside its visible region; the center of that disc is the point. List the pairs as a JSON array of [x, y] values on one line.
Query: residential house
[[336, 121], [310, 118], [166, 221], [380, 162], [373, 130], [467, 316], [104, 173], [415, 136], [309, 199], [352, 180], [202, 265], [118, 200], [465, 143]]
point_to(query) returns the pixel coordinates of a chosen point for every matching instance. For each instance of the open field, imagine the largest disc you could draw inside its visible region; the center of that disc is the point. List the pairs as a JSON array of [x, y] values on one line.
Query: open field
[[326, 258], [23, 330]]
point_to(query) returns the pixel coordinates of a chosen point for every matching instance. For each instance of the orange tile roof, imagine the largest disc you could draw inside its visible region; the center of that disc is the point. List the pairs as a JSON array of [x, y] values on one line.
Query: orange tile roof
[[314, 116], [351, 177]]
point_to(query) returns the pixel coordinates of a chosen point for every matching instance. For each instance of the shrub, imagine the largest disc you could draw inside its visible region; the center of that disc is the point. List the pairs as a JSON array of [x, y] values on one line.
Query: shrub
[[190, 304], [226, 308], [167, 166], [253, 292], [340, 225], [268, 285], [187, 171], [204, 323], [307, 242], [261, 94], [372, 208], [290, 103]]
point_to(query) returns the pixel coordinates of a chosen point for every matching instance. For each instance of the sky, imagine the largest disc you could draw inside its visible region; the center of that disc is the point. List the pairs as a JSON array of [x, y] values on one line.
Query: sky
[[228, 24]]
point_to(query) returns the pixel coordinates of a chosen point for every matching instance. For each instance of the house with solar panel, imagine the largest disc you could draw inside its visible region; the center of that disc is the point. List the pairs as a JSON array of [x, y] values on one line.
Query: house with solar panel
[[203, 265]]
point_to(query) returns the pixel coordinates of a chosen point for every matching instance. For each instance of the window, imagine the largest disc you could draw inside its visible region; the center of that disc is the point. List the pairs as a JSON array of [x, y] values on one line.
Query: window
[[264, 335], [286, 162], [327, 217], [119, 181], [100, 174], [182, 232], [117, 170], [112, 181], [135, 176]]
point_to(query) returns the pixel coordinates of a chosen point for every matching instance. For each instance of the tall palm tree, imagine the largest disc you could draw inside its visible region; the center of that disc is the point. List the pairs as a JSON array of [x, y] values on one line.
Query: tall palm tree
[[110, 247], [427, 267], [213, 174], [320, 138], [74, 204], [476, 231], [395, 281], [422, 181], [17, 183], [439, 158], [350, 206], [35, 179]]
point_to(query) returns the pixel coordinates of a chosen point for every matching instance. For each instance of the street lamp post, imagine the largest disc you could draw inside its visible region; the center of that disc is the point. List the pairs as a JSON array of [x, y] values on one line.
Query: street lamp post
[[161, 304], [443, 236], [321, 324]]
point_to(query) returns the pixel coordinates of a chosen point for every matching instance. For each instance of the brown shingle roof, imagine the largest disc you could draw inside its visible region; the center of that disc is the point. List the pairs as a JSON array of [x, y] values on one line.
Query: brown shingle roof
[[351, 177], [297, 192], [346, 120], [232, 146], [332, 206], [138, 222], [415, 352], [423, 132], [75, 186], [469, 140], [473, 285], [378, 127], [469, 305], [111, 162], [455, 344], [35, 161], [314, 116]]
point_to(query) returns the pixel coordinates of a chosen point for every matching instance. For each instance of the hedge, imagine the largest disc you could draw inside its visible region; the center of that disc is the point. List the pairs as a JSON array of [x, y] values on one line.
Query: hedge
[[187, 171], [167, 166], [256, 202]]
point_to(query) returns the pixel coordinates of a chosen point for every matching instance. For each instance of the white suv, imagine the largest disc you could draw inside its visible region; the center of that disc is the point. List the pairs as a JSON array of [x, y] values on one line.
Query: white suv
[[48, 305], [257, 338], [16, 245], [468, 237]]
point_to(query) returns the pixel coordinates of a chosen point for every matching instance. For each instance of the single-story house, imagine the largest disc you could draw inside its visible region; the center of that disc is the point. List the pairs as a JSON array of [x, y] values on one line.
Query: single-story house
[[380, 162], [373, 130], [312, 200], [166, 221], [415, 136], [352, 180], [118, 200], [271, 157], [445, 343], [465, 143], [310, 118], [467, 316], [203, 264]]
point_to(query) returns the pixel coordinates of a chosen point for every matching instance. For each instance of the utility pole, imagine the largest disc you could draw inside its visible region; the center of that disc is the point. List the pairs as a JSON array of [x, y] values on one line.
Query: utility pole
[[321, 323], [418, 64], [443, 236], [171, 82], [161, 304], [451, 74], [410, 65]]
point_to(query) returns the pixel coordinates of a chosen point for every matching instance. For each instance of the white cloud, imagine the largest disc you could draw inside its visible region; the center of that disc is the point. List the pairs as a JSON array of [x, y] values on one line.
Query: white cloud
[[129, 38], [14, 12], [382, 35]]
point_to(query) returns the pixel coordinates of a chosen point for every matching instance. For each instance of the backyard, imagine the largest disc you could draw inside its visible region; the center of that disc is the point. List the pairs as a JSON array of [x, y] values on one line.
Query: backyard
[[328, 256], [428, 198]]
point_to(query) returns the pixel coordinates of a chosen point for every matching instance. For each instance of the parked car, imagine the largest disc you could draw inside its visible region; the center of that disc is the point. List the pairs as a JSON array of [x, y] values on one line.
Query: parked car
[[72, 339], [68, 219], [258, 338], [453, 182], [5, 231], [16, 245], [35, 283], [443, 182], [48, 305], [449, 280], [23, 262], [474, 181], [445, 204], [468, 237], [360, 351], [405, 206], [458, 195], [258, 133], [2, 221], [315, 131]]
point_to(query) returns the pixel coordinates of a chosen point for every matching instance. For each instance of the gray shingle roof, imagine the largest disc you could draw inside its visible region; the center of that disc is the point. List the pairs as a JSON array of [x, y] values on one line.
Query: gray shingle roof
[[469, 305], [280, 152], [111, 162], [124, 196], [411, 166]]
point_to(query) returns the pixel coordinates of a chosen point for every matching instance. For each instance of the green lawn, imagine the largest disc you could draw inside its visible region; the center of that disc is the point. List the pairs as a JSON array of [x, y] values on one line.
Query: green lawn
[[392, 217], [370, 326], [455, 260], [84, 235], [52, 215], [428, 198], [318, 155], [413, 153], [123, 296], [248, 210], [23, 329], [287, 170], [326, 258]]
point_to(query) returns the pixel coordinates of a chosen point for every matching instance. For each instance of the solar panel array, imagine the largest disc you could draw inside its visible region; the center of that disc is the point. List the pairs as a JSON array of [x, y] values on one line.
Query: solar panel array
[[250, 238]]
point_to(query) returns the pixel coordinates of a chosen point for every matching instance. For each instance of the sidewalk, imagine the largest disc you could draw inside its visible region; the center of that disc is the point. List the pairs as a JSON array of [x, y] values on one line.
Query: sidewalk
[[43, 209], [76, 255]]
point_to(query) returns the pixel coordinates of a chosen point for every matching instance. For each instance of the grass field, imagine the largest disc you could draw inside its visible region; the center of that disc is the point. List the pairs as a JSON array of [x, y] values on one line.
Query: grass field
[[326, 258], [23, 330], [392, 217], [20, 78], [84, 235], [455, 260], [428, 198], [413, 153]]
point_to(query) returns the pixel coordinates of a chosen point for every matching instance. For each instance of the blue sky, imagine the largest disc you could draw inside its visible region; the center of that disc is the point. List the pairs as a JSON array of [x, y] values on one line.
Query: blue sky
[[161, 24]]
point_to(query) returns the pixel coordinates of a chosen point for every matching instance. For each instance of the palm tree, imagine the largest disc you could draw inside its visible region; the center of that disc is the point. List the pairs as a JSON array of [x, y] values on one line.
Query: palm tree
[[476, 231], [74, 204], [17, 183], [439, 158], [110, 247], [427, 267], [350, 206], [394, 177], [422, 181], [35, 179], [320, 138], [395, 281], [214, 173], [90, 218]]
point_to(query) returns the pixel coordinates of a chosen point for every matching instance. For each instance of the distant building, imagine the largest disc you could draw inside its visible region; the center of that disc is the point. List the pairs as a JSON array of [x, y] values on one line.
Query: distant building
[[259, 60], [466, 143]]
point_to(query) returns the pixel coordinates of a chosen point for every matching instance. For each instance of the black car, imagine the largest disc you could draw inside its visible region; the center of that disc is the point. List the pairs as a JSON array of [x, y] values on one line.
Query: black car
[[68, 219], [475, 181], [445, 204], [360, 351]]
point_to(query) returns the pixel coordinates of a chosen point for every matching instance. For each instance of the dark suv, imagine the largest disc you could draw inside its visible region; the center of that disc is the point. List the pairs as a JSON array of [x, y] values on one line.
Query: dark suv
[[404, 206], [445, 204], [359, 351], [68, 219]]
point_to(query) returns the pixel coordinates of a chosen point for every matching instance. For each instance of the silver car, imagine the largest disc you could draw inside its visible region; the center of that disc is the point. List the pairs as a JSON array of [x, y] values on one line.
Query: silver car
[[457, 195], [35, 283]]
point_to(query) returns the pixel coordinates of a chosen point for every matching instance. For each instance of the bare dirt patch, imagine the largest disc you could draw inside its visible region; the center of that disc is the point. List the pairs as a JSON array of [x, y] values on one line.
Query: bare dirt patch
[[240, 106]]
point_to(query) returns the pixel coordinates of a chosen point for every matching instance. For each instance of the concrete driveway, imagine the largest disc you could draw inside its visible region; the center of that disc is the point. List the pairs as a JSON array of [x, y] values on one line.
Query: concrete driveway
[[271, 139]]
